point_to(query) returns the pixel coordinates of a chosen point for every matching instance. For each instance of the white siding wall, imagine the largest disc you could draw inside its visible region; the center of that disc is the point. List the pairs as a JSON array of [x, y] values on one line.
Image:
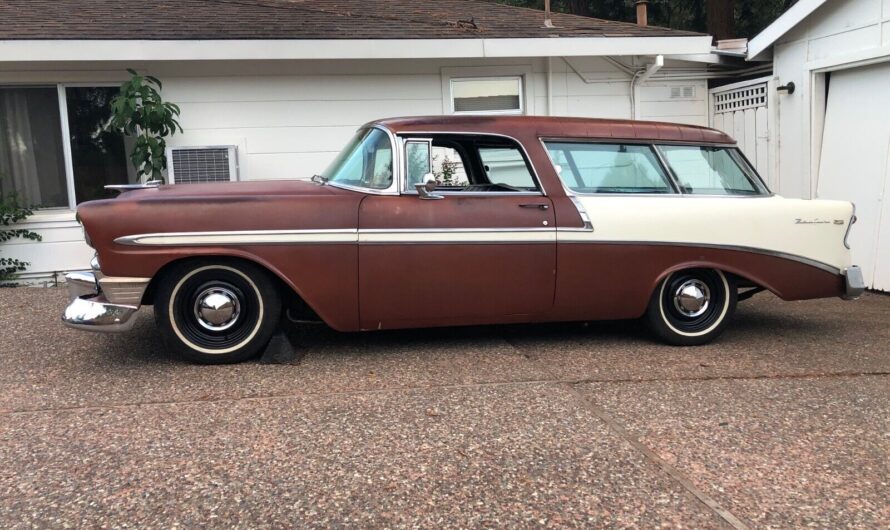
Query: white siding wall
[[840, 34], [288, 119]]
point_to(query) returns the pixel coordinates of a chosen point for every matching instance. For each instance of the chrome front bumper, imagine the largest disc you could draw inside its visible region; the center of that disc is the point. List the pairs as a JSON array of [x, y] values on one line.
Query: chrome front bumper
[[854, 284], [101, 303]]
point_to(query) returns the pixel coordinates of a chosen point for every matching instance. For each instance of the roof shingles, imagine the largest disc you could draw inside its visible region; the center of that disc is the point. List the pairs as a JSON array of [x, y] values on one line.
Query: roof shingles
[[295, 19]]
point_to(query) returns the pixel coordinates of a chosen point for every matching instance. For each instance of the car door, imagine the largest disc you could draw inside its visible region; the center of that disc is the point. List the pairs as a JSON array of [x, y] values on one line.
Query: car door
[[479, 253]]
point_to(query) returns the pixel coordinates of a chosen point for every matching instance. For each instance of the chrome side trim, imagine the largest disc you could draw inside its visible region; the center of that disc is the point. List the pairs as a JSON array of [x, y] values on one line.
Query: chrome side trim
[[568, 237], [151, 184], [458, 236], [245, 237], [582, 211], [850, 227]]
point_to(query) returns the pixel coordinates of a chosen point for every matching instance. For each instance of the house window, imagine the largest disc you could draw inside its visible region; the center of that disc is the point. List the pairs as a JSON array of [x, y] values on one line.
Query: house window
[[32, 162], [487, 95], [98, 156], [55, 151]]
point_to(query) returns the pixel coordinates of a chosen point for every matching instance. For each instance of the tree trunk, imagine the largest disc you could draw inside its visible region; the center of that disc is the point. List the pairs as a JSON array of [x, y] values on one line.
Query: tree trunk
[[579, 7], [721, 19]]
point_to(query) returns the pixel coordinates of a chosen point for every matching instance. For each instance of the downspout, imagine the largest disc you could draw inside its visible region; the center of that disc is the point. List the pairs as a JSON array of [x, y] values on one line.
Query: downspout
[[641, 77], [550, 86]]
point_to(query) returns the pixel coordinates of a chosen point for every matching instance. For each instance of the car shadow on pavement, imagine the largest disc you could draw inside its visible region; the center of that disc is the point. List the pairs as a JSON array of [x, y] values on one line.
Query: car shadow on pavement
[[143, 345]]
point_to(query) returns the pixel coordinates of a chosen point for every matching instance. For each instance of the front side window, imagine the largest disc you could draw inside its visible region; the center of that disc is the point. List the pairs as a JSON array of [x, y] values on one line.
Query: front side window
[[705, 170], [494, 95], [462, 163], [608, 168], [365, 162]]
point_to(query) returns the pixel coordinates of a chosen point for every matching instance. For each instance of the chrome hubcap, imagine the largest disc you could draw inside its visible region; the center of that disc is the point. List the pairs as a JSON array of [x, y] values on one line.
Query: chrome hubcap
[[691, 298], [217, 308]]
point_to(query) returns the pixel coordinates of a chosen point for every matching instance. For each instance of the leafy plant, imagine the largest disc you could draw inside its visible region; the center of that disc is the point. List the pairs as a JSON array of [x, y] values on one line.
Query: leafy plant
[[138, 110], [12, 213]]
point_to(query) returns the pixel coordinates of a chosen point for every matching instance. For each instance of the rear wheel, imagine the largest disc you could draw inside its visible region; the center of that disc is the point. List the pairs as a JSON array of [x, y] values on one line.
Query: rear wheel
[[691, 307], [216, 312]]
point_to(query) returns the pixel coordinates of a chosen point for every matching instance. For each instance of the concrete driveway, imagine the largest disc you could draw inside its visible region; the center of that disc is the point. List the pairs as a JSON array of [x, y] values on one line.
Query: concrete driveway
[[785, 422]]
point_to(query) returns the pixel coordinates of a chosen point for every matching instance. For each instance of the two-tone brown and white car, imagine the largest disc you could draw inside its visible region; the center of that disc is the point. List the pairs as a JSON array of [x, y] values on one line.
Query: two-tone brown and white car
[[465, 220]]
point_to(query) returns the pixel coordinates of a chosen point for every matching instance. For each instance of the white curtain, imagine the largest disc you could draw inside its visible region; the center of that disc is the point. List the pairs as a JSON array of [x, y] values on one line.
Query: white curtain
[[31, 159]]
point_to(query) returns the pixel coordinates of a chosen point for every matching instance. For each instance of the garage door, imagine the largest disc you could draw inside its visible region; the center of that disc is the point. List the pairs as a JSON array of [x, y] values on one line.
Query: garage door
[[854, 162]]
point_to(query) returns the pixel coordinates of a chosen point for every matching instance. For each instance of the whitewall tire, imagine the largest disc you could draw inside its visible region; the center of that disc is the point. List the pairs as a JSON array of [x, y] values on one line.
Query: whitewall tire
[[217, 311], [691, 307]]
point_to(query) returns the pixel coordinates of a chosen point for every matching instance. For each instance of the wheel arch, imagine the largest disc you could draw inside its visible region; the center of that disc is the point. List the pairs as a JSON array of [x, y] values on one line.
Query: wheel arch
[[733, 272], [274, 273]]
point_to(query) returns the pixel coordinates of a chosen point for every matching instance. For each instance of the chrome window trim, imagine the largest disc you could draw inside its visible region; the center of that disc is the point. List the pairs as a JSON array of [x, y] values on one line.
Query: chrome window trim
[[571, 193], [748, 170], [404, 143], [483, 193], [666, 167], [394, 186], [531, 164]]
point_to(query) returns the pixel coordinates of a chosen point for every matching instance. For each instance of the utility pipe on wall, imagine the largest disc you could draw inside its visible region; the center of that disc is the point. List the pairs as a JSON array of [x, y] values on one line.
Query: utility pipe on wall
[[641, 77]]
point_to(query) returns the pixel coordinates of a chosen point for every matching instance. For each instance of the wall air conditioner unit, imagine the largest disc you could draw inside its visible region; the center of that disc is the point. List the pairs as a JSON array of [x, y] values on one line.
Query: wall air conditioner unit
[[192, 165]]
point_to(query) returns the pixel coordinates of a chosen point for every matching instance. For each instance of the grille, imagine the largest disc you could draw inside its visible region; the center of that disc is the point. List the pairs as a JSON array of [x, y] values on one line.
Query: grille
[[202, 164], [750, 97]]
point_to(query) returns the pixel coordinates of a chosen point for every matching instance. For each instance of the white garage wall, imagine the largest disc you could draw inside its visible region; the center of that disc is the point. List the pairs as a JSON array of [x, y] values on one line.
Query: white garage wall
[[289, 118], [840, 34]]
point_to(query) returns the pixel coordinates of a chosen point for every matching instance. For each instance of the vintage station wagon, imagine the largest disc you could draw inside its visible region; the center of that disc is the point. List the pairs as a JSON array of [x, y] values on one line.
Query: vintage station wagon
[[462, 220]]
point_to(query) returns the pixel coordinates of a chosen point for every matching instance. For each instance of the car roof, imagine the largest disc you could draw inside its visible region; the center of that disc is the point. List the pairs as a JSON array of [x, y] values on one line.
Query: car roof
[[557, 127]]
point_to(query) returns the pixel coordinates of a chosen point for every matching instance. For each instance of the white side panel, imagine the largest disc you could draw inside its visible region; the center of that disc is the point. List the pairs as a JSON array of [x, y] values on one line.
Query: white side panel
[[769, 224], [853, 164]]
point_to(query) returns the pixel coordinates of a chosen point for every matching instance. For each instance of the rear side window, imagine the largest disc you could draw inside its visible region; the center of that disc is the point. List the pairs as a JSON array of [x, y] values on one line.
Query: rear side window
[[608, 168], [703, 170], [505, 165]]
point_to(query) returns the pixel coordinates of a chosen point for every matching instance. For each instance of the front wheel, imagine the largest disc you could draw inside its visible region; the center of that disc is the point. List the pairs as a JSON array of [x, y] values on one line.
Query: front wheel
[[216, 312], [691, 307]]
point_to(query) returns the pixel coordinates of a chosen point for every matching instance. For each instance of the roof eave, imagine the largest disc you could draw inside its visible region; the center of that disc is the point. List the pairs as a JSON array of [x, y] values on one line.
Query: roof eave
[[213, 50], [760, 44]]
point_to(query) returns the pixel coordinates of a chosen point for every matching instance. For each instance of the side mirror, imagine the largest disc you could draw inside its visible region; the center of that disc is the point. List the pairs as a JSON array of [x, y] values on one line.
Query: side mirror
[[426, 189]]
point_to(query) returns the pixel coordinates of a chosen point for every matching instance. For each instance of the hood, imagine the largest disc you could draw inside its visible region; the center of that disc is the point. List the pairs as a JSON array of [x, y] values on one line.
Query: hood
[[252, 188]]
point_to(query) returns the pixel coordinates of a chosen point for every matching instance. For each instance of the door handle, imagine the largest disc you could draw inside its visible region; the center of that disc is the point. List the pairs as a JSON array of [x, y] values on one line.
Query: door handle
[[540, 206]]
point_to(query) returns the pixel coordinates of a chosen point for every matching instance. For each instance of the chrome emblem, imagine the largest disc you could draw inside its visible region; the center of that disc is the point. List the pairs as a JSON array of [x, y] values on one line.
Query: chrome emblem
[[817, 221]]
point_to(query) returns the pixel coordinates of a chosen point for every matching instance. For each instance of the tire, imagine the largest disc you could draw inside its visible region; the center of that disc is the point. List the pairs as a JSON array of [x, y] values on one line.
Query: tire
[[685, 320], [217, 311]]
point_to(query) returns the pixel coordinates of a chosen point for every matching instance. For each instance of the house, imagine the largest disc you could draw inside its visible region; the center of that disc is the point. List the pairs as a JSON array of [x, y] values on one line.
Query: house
[[833, 128], [271, 89]]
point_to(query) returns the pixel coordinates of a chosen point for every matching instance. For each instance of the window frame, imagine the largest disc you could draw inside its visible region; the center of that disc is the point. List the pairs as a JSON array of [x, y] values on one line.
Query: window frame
[[675, 184], [406, 136], [747, 167], [398, 173], [520, 79], [62, 212]]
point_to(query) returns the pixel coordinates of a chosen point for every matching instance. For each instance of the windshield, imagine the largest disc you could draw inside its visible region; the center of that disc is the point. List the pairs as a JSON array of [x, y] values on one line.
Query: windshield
[[703, 170], [365, 162]]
